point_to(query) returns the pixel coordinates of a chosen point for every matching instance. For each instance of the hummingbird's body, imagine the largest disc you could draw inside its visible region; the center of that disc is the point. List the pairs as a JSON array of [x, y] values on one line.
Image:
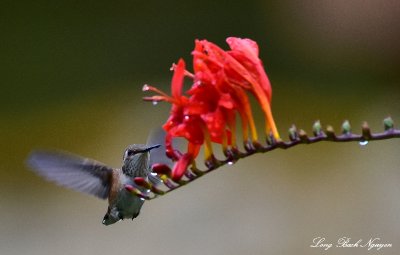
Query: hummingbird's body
[[94, 178], [121, 203]]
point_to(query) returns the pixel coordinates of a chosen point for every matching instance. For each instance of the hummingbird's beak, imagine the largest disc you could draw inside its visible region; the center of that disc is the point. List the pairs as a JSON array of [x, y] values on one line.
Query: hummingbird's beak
[[151, 147]]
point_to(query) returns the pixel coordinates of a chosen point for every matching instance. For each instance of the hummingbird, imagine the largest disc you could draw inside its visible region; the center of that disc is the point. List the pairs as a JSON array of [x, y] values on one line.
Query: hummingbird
[[97, 179]]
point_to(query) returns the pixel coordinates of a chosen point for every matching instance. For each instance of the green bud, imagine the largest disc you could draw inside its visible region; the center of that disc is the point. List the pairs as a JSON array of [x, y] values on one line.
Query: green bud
[[388, 123], [317, 128], [293, 133], [346, 128]]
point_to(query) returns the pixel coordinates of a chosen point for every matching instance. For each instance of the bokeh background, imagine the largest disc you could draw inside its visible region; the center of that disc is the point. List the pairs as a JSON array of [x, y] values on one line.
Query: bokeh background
[[71, 78]]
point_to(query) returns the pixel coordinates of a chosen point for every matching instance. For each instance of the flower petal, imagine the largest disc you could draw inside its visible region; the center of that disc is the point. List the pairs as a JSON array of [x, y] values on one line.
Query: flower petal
[[180, 167], [177, 79]]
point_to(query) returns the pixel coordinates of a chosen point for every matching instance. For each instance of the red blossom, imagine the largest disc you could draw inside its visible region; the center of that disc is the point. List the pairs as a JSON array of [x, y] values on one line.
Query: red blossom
[[207, 112], [238, 67], [181, 166], [214, 108]]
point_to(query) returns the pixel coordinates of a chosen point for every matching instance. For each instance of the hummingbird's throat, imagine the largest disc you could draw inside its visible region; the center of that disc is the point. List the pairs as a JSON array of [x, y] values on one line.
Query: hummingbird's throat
[[138, 166]]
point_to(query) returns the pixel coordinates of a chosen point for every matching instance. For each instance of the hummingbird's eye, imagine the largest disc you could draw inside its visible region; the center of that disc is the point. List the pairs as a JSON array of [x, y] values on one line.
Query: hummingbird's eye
[[129, 153]]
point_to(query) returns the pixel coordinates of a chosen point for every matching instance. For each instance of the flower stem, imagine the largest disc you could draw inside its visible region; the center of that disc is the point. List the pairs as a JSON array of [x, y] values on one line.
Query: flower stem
[[296, 138]]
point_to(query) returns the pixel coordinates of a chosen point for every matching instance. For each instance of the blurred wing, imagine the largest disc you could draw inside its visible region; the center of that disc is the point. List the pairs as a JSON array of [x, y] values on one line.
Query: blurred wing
[[80, 174], [157, 136]]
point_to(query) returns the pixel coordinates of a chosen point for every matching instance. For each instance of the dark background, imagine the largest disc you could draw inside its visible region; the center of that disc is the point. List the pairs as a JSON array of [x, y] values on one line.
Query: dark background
[[71, 78]]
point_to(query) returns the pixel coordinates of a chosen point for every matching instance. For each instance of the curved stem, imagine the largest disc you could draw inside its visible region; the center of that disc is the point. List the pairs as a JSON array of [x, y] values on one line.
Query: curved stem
[[296, 138]]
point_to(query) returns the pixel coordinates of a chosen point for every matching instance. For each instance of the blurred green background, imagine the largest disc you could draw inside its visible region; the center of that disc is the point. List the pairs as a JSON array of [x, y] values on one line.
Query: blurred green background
[[71, 78]]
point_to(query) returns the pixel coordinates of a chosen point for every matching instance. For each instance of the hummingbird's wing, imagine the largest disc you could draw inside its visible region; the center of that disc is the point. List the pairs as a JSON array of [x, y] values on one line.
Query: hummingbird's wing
[[80, 174], [157, 136]]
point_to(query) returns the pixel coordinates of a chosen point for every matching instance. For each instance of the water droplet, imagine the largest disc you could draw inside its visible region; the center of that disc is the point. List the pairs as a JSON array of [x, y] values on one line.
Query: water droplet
[[363, 143], [145, 87], [230, 163], [155, 102], [187, 117]]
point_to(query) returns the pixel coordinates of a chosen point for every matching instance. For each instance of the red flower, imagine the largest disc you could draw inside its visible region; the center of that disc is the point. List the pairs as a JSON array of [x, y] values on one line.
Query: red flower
[[210, 68], [180, 122], [208, 112], [214, 108], [238, 67]]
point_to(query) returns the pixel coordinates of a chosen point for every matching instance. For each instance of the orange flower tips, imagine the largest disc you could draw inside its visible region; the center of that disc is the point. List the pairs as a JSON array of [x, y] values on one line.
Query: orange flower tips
[[207, 112]]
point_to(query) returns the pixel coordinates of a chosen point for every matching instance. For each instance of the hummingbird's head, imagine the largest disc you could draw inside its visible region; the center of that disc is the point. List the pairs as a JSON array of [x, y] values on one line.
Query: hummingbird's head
[[136, 159]]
